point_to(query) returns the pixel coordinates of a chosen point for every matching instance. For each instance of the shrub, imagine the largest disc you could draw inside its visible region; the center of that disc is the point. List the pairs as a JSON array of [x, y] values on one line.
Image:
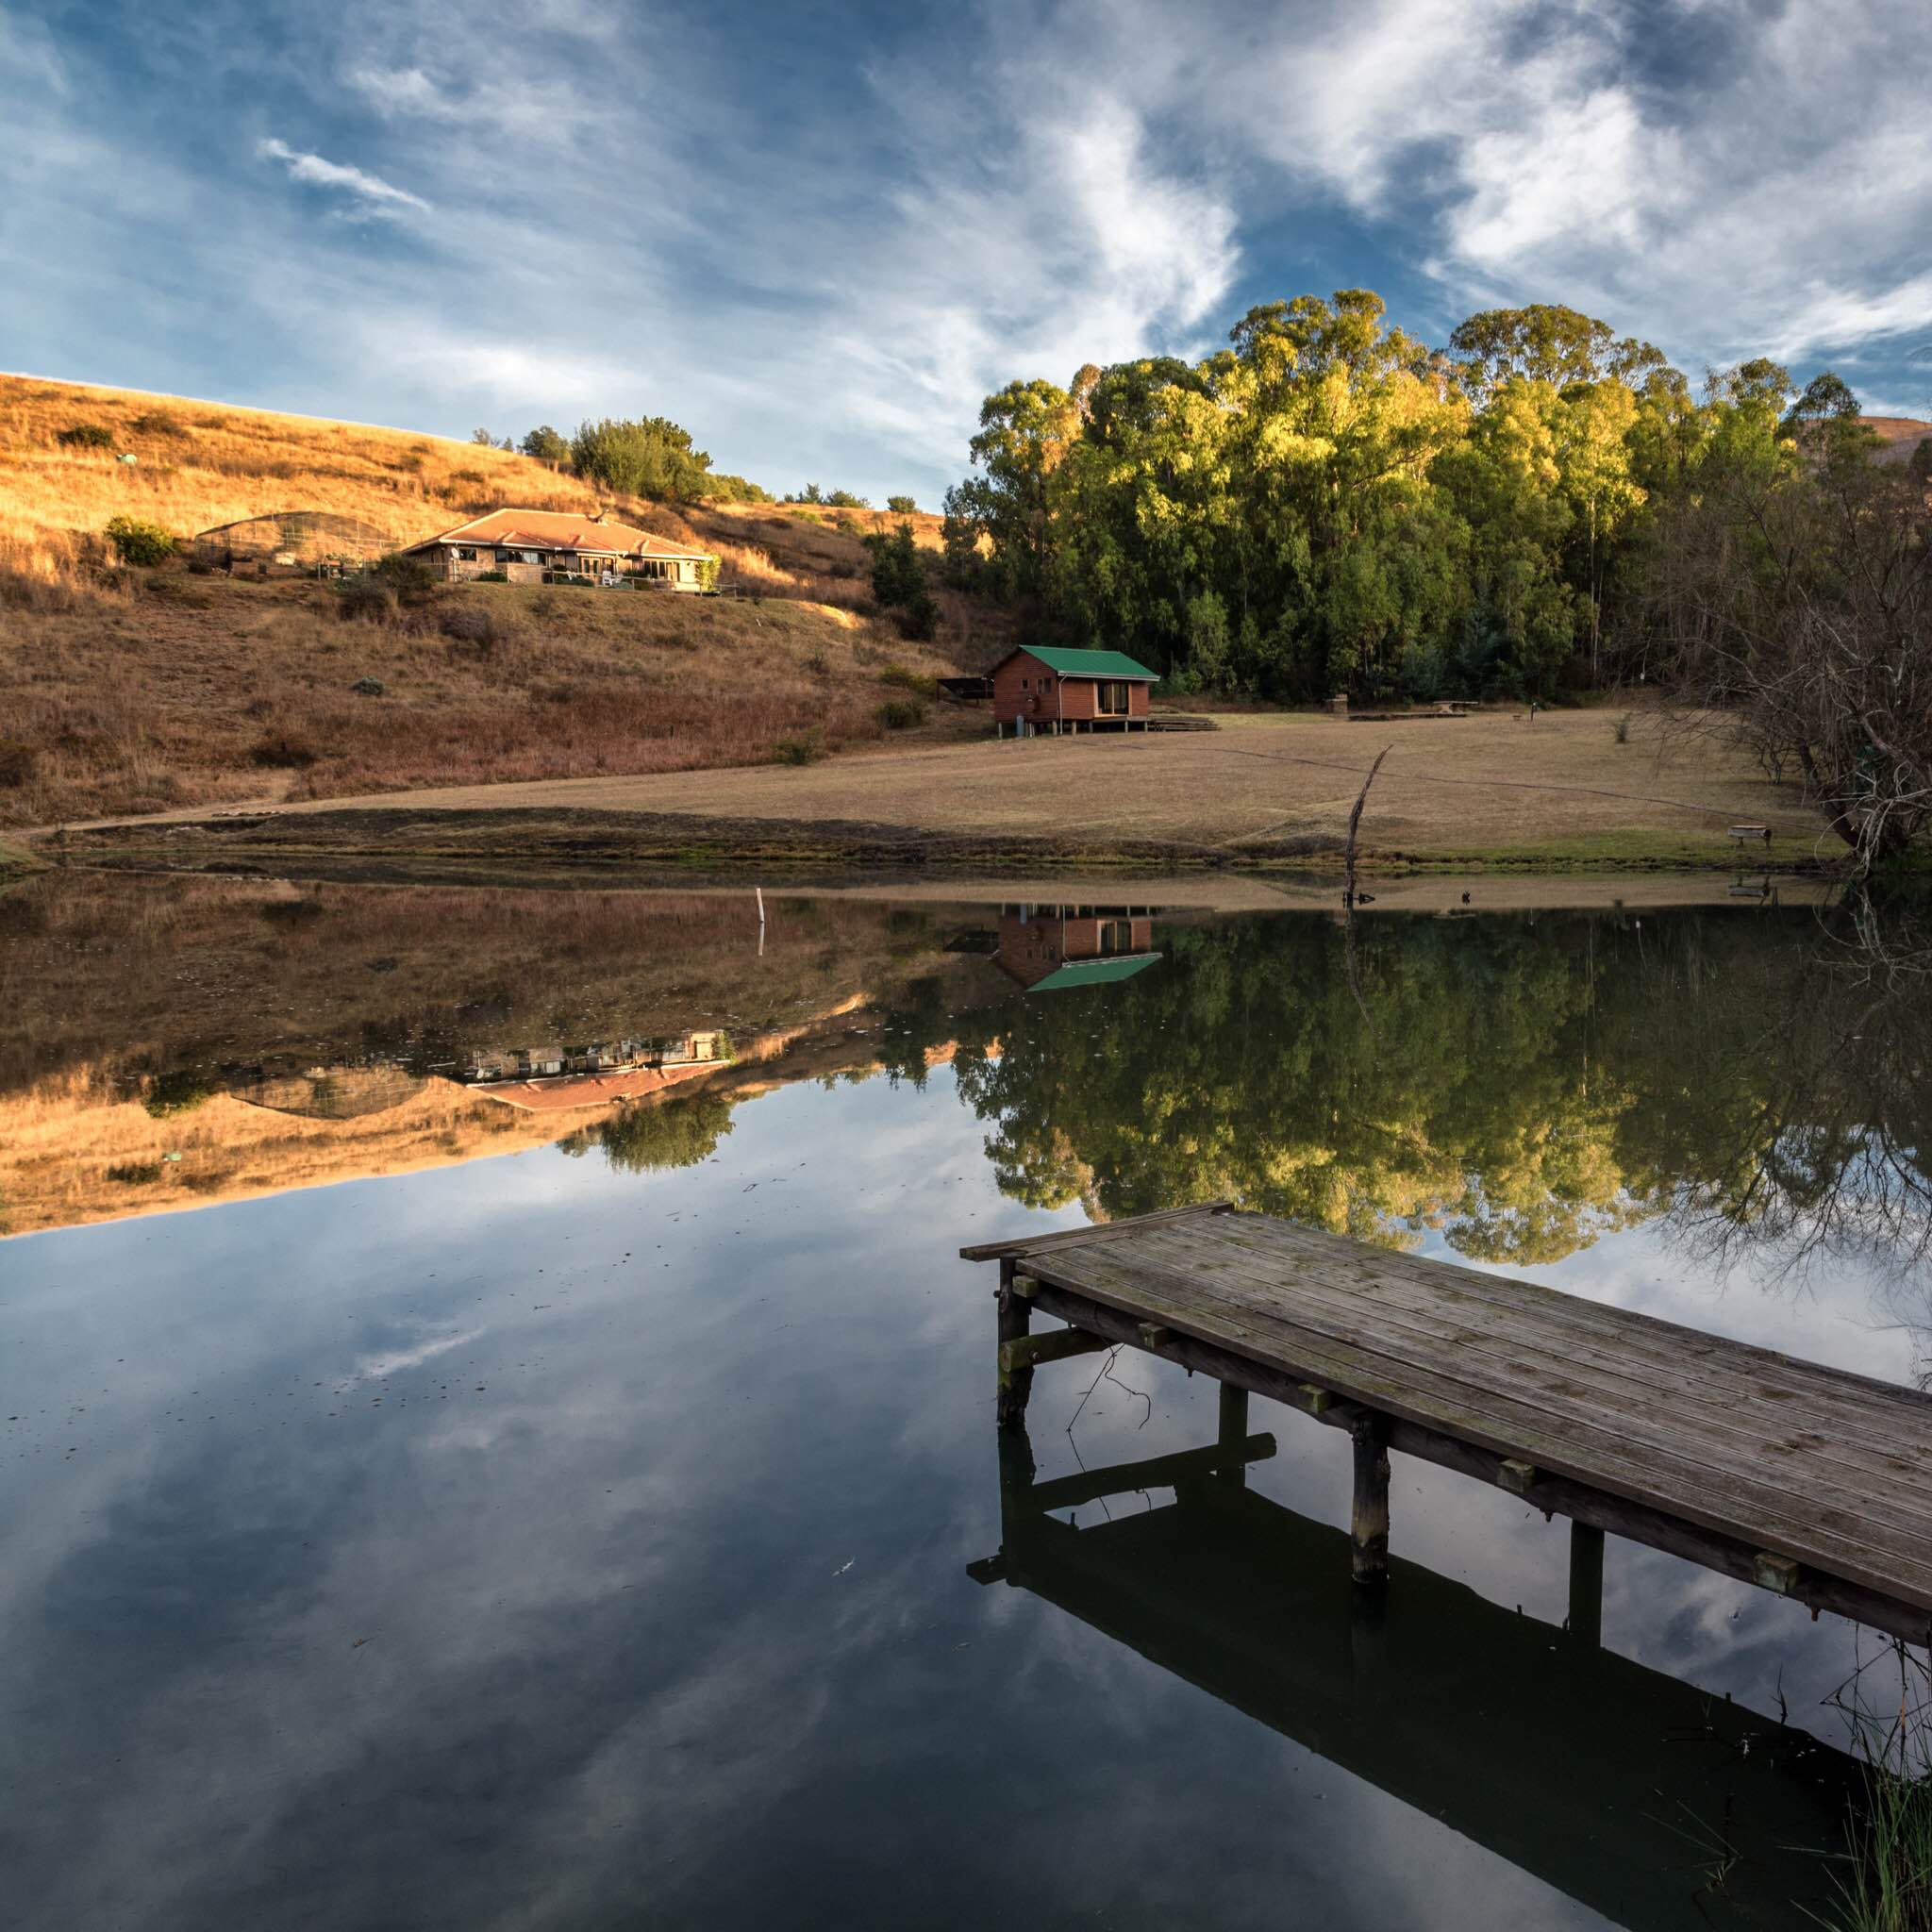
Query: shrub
[[467, 476], [901, 505], [844, 499], [85, 436], [140, 543], [409, 577], [19, 761], [1623, 729], [368, 687], [180, 1091], [283, 750], [920, 620], [546, 446], [159, 422], [808, 750], [478, 629], [919, 685], [366, 597], [491, 577], [819, 664], [135, 1174], [901, 714]]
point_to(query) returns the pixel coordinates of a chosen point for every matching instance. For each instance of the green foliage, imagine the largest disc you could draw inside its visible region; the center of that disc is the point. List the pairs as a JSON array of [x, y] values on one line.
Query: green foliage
[[85, 436], [546, 446], [178, 1093], [901, 714], [806, 750], [650, 457], [896, 575], [675, 1133], [1328, 504], [140, 543], [901, 505], [159, 422], [483, 439], [844, 499], [708, 573]]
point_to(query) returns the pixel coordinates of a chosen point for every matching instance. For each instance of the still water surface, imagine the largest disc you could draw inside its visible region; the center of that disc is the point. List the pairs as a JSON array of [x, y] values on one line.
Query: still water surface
[[442, 1491]]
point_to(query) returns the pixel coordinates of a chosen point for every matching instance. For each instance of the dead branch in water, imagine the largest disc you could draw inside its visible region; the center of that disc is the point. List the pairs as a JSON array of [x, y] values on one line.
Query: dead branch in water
[[1355, 823]]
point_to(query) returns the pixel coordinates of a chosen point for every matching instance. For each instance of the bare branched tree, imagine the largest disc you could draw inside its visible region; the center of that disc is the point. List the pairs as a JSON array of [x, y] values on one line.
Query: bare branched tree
[[1791, 607]]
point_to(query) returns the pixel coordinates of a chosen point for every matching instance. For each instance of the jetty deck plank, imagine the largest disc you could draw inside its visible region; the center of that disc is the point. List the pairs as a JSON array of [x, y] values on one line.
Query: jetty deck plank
[[1830, 1469]]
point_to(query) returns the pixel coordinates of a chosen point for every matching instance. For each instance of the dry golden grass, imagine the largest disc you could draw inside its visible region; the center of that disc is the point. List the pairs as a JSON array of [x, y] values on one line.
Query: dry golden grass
[[163, 689], [129, 692], [1490, 787]]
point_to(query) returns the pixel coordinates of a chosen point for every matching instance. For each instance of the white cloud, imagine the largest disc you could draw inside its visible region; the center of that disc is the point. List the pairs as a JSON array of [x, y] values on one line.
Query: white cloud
[[373, 195]]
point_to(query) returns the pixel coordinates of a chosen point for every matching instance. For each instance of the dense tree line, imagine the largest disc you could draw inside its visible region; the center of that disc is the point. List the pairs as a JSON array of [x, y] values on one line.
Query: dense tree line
[[1330, 504], [646, 456]]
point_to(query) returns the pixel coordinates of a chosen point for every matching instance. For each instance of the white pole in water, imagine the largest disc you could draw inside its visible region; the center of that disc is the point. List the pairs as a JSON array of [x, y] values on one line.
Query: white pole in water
[[760, 891]]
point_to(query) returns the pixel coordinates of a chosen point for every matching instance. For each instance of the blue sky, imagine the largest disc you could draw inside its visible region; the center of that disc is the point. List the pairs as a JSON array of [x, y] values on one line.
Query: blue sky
[[819, 234]]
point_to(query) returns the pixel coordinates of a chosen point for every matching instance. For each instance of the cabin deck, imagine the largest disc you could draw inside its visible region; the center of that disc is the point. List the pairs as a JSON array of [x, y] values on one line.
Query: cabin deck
[[1806, 1480]]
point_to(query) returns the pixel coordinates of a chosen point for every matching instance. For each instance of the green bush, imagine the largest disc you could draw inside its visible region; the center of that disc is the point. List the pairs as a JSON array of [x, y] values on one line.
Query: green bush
[[140, 543], [19, 761], [135, 1174], [180, 1091], [808, 750], [366, 597], [920, 621], [368, 687], [409, 577], [86, 436], [916, 682], [546, 446], [159, 422], [901, 714], [901, 505], [491, 577]]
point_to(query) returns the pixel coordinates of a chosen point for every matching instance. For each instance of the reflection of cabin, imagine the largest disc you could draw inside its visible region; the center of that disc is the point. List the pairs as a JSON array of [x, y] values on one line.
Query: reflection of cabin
[[1044, 689], [1049, 948], [330, 1094], [292, 540], [533, 546]]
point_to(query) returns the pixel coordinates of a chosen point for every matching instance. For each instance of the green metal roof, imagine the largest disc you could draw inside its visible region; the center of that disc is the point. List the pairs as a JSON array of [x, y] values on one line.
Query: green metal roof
[[1094, 971], [1088, 663]]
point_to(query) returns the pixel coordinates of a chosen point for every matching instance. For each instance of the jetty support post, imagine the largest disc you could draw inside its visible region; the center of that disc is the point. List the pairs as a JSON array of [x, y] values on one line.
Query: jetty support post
[[1015, 1318], [1368, 1521], [1586, 1583], [1232, 1433]]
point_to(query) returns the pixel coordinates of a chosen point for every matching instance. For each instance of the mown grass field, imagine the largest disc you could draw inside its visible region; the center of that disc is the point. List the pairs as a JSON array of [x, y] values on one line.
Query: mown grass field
[[134, 691]]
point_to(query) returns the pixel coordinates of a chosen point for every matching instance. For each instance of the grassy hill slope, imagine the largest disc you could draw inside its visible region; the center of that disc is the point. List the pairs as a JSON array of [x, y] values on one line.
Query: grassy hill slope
[[129, 691]]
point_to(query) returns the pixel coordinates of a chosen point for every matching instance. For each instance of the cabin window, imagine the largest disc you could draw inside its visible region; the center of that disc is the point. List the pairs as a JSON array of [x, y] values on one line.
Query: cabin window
[[1113, 698], [466, 553], [1116, 936], [1026, 684]]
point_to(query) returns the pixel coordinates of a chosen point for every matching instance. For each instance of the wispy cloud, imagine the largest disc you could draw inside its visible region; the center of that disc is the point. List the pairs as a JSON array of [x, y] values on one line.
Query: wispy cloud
[[370, 192]]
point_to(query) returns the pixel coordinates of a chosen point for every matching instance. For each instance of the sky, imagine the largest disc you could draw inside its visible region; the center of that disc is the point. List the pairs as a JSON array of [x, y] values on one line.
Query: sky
[[819, 235]]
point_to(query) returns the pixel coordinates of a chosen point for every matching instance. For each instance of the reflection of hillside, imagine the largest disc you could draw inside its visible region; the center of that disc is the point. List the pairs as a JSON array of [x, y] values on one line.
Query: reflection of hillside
[[209, 1040]]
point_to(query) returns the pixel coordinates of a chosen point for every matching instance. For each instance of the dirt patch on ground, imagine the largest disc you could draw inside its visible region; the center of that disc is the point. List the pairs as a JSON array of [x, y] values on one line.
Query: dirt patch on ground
[[1495, 790]]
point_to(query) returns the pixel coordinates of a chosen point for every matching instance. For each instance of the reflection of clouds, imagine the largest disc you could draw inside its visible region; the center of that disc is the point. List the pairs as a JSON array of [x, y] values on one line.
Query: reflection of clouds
[[609, 1663]]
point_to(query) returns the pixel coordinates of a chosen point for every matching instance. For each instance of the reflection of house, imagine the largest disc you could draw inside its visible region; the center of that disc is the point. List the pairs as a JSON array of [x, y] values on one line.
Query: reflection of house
[[290, 540], [1048, 948], [529, 545], [554, 1076], [704, 1048], [1043, 688]]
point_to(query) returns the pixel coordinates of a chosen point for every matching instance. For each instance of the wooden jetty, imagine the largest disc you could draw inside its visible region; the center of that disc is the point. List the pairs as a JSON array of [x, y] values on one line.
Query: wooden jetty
[[1627, 1788], [1805, 1480]]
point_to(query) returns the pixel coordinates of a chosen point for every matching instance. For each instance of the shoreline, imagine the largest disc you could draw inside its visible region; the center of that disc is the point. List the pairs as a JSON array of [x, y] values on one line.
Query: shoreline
[[585, 846]]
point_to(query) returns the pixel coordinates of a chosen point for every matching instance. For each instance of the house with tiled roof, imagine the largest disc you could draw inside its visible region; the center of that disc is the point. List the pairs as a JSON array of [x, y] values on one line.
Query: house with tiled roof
[[533, 546]]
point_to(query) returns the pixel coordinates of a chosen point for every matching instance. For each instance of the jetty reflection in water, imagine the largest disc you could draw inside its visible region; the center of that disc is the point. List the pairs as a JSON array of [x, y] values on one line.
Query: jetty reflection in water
[[562, 1514], [1631, 1792]]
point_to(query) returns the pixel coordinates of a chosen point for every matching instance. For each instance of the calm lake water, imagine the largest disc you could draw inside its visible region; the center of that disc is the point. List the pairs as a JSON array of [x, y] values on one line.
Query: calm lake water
[[496, 1432]]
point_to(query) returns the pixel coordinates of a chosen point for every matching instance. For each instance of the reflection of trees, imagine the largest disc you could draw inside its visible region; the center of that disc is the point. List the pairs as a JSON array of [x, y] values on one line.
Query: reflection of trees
[[1522, 1086], [644, 1139]]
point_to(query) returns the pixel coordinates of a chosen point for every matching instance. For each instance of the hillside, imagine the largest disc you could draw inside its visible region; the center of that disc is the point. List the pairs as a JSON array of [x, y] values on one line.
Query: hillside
[[129, 691]]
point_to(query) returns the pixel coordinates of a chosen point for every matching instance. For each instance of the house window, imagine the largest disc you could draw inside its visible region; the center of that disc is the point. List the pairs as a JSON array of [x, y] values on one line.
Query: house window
[[466, 553], [1026, 684], [1113, 698], [1116, 936]]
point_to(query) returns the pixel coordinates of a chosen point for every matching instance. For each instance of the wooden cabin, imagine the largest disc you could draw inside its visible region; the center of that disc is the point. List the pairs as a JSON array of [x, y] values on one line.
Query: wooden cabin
[[1052, 948], [533, 546], [1042, 688]]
